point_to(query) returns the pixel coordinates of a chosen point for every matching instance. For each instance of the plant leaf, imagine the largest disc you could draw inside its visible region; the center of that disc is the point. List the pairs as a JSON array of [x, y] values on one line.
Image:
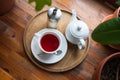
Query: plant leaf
[[118, 2], [107, 32], [40, 3], [31, 1]]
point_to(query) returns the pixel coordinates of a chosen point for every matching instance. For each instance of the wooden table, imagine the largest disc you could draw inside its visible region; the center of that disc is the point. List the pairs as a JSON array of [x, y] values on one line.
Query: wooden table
[[13, 58]]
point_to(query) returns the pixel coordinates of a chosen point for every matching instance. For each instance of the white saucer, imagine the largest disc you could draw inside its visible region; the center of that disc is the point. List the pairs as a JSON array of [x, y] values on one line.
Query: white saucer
[[48, 58]]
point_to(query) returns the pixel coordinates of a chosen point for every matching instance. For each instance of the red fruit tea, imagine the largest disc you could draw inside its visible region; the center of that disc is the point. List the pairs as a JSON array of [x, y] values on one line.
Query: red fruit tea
[[49, 42]]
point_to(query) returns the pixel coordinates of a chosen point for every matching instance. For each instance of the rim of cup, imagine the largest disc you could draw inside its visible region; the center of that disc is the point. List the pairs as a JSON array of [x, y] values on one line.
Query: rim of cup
[[56, 35]]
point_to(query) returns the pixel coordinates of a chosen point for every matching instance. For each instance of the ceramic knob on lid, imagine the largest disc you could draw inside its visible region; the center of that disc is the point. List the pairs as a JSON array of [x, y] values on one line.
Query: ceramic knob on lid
[[79, 29], [54, 14]]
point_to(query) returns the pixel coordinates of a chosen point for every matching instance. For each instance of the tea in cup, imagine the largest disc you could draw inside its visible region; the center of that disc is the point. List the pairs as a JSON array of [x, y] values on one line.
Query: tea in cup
[[49, 41]]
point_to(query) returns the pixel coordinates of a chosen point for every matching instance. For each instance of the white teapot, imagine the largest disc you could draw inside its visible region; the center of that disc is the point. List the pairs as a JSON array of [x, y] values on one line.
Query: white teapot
[[77, 31]]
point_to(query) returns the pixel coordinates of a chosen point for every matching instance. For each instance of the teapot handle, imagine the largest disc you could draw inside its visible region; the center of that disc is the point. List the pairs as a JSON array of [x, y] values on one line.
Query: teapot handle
[[81, 44]]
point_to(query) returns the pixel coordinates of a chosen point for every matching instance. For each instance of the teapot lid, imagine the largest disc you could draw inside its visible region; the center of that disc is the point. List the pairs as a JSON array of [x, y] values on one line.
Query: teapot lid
[[77, 29]]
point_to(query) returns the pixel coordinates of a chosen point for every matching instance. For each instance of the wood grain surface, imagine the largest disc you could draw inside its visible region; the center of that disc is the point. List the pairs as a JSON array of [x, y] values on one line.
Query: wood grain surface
[[13, 58], [5, 76]]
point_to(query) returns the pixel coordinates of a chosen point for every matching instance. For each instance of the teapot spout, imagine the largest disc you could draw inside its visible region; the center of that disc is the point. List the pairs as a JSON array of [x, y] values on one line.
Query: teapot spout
[[74, 18]]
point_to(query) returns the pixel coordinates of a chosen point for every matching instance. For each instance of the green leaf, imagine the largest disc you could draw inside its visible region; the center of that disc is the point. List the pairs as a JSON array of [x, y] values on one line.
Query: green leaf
[[40, 3], [31, 1], [118, 2], [107, 32]]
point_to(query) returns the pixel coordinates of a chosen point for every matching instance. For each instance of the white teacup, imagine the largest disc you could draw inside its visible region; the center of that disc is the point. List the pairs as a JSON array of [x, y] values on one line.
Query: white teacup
[[49, 41]]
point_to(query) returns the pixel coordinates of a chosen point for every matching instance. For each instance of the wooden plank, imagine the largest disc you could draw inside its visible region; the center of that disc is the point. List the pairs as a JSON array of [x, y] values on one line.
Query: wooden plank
[[5, 76], [21, 68]]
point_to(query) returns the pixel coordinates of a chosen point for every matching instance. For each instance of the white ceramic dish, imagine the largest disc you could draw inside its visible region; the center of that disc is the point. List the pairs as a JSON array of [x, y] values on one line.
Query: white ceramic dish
[[48, 58]]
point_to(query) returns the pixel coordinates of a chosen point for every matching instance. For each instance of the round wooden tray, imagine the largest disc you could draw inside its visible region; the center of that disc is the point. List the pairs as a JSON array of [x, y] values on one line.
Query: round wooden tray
[[73, 57]]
